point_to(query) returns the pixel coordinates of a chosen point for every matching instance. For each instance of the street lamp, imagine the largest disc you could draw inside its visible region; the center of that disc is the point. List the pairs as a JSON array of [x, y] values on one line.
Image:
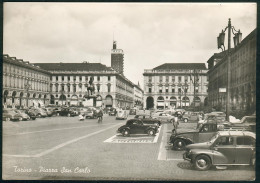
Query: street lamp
[[195, 84], [27, 87], [237, 39], [185, 88]]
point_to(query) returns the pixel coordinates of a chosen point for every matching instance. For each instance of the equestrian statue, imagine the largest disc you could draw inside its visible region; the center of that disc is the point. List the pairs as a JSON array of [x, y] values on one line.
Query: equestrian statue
[[91, 87]]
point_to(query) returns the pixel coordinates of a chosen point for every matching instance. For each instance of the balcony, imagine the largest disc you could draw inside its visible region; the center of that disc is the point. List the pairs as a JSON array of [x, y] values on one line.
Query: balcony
[[174, 71]]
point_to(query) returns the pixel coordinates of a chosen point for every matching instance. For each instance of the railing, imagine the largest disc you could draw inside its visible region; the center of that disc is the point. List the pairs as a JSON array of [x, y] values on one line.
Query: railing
[[82, 72], [175, 71]]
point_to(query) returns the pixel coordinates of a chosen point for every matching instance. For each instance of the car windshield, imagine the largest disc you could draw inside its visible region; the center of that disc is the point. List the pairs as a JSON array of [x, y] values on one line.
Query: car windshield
[[213, 138]]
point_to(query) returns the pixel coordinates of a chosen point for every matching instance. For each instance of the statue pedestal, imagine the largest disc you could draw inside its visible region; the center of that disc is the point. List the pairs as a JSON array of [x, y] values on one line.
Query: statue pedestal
[[89, 101]]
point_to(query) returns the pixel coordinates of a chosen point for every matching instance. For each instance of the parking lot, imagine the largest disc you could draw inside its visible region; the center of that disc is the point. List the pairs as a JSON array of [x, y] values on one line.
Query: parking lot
[[66, 148]]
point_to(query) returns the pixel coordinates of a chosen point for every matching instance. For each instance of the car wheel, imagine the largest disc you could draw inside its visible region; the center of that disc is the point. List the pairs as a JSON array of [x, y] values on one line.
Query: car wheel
[[151, 132], [185, 120], [126, 132], [39, 115], [202, 162], [179, 144], [68, 115], [20, 119]]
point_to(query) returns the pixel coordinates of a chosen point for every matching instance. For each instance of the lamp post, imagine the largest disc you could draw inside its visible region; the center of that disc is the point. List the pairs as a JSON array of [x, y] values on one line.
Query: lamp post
[[27, 87], [195, 84], [220, 39], [185, 88]]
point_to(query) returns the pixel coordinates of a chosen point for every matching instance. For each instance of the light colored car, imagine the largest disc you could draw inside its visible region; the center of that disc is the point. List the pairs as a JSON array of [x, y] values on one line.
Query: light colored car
[[225, 148], [190, 116], [163, 117], [121, 114]]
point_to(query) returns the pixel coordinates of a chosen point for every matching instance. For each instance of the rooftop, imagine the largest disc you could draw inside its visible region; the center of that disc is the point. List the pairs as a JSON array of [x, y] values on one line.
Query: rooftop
[[184, 66]]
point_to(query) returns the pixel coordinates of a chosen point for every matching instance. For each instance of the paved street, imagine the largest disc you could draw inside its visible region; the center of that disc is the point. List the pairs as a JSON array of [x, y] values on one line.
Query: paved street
[[66, 148]]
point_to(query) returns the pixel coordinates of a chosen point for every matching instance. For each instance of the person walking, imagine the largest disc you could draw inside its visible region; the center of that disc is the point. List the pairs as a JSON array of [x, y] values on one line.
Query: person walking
[[175, 124], [100, 116]]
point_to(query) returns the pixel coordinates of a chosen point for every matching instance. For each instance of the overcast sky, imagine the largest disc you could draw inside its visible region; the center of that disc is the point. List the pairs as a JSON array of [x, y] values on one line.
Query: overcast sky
[[149, 33]]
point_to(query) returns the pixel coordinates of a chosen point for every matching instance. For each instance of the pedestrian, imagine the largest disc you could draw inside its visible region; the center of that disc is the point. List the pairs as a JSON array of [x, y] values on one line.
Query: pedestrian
[[175, 124], [100, 116]]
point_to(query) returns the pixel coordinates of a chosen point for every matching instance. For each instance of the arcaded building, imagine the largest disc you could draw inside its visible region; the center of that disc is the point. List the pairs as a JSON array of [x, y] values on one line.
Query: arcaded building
[[175, 85]]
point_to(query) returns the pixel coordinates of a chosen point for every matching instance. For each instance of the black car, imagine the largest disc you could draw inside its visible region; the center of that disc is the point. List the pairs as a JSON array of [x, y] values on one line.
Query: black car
[[136, 126], [147, 119], [132, 112], [67, 112], [112, 112]]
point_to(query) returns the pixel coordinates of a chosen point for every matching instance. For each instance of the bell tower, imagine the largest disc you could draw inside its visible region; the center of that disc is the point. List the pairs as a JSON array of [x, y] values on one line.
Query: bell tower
[[117, 59]]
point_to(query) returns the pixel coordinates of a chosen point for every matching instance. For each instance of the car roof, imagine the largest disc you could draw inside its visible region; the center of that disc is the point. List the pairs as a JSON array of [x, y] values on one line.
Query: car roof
[[237, 133]]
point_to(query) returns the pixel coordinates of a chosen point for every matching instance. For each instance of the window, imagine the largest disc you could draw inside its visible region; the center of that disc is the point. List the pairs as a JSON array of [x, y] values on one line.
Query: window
[[74, 78], [225, 141], [108, 88], [74, 88], [56, 88], [150, 78], [166, 90], [167, 78], [86, 78], [160, 89], [80, 78], [173, 90], [98, 88], [179, 90], [68, 78], [68, 88], [245, 140], [160, 79], [186, 78], [150, 90], [179, 79], [62, 78], [196, 89], [98, 78], [62, 87], [108, 78], [56, 78], [173, 78]]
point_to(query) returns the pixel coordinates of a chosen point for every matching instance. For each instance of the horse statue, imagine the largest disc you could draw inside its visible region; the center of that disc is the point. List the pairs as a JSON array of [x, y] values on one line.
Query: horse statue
[[91, 87]]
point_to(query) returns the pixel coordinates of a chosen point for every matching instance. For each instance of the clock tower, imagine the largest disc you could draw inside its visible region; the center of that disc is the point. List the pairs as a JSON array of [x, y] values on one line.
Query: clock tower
[[117, 59]]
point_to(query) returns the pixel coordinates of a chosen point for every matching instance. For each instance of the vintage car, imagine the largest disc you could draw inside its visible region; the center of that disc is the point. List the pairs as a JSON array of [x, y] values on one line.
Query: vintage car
[[132, 111], [225, 148], [213, 118], [31, 113], [121, 114], [22, 114], [163, 117], [112, 112], [91, 112], [10, 115], [147, 119], [202, 134], [189, 116], [39, 112], [247, 123], [136, 126]]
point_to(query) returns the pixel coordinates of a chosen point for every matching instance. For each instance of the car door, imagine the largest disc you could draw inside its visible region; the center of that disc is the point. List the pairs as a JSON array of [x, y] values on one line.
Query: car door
[[206, 132], [224, 150], [245, 148], [135, 127]]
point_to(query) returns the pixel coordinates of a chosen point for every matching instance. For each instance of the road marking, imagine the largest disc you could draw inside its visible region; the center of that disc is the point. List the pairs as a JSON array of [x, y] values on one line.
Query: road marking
[[121, 139], [61, 145], [25, 133], [162, 151], [175, 159]]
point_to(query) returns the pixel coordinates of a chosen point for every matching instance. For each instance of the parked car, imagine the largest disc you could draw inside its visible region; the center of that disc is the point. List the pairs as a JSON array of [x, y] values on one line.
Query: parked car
[[121, 114], [112, 112], [163, 117], [91, 113], [31, 113], [22, 114], [147, 119], [66, 112], [136, 126], [48, 111], [132, 112], [10, 114], [40, 112], [202, 134], [213, 118], [247, 122], [225, 148], [189, 116]]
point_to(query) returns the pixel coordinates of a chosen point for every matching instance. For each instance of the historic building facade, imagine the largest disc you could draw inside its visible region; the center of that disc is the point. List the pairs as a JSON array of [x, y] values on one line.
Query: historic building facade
[[243, 77], [69, 83], [138, 96], [24, 84], [175, 85]]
